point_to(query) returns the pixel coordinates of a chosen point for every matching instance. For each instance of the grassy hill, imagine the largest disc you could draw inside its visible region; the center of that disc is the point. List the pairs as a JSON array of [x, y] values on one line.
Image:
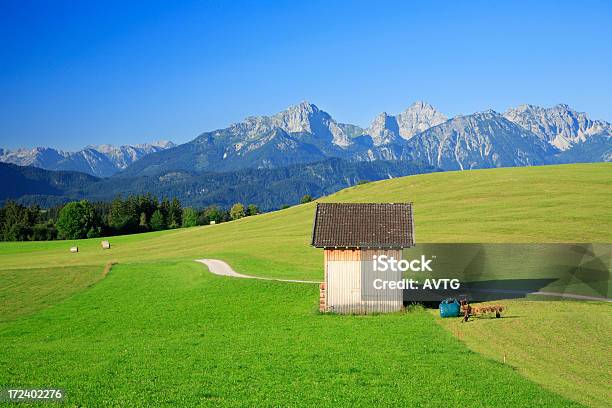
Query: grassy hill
[[569, 203], [160, 322]]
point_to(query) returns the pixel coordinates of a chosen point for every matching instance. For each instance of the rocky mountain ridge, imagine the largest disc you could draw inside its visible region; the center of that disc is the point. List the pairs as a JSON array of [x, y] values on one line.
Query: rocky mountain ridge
[[303, 133], [101, 160], [560, 125]]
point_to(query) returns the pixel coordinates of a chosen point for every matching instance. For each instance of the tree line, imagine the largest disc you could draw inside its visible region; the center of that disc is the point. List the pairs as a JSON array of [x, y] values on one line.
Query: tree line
[[84, 219]]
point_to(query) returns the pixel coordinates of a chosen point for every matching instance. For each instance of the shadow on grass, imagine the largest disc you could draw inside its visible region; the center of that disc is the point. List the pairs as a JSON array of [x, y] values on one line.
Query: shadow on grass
[[479, 291]]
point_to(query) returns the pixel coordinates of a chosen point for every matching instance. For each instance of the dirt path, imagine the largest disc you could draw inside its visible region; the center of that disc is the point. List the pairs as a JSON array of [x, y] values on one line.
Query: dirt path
[[221, 268]]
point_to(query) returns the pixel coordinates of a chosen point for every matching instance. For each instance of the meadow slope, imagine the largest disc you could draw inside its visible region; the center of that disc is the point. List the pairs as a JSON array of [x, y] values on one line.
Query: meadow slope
[[158, 321], [569, 203]]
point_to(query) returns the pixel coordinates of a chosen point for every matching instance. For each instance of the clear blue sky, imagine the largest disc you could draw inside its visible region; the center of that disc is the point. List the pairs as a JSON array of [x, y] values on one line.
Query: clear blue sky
[[78, 73]]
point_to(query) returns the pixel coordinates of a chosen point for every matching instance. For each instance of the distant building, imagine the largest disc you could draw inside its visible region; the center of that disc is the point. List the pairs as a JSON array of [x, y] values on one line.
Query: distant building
[[351, 235]]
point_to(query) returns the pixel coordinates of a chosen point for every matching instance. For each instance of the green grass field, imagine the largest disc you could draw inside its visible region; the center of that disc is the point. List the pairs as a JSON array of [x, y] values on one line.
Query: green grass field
[[564, 346], [160, 329], [171, 333]]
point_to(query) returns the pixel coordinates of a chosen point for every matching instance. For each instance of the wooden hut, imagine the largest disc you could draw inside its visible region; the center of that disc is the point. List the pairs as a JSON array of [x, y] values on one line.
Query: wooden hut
[[351, 235]]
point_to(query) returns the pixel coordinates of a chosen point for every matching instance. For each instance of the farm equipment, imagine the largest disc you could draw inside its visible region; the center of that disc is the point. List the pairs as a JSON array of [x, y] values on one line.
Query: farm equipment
[[467, 310]]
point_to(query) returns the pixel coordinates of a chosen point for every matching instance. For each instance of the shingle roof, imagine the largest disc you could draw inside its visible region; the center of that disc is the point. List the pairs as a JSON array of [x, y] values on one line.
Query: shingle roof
[[368, 225]]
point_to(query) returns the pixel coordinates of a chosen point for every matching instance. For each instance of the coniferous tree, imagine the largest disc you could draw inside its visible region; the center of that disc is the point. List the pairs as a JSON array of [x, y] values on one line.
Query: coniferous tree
[[143, 225], [15, 225], [164, 207], [176, 213], [190, 218], [123, 216], [44, 232], [157, 221]]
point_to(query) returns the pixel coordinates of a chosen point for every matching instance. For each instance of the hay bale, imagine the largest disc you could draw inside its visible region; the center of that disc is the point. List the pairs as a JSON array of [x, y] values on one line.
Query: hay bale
[[74, 249], [213, 222], [105, 245]]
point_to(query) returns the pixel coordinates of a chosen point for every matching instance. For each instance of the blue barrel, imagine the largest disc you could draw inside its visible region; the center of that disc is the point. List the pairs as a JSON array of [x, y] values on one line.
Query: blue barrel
[[450, 308]]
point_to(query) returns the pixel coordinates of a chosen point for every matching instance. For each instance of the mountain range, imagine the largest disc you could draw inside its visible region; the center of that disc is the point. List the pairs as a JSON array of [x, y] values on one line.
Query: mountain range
[[299, 142], [102, 160], [303, 133], [268, 188]]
